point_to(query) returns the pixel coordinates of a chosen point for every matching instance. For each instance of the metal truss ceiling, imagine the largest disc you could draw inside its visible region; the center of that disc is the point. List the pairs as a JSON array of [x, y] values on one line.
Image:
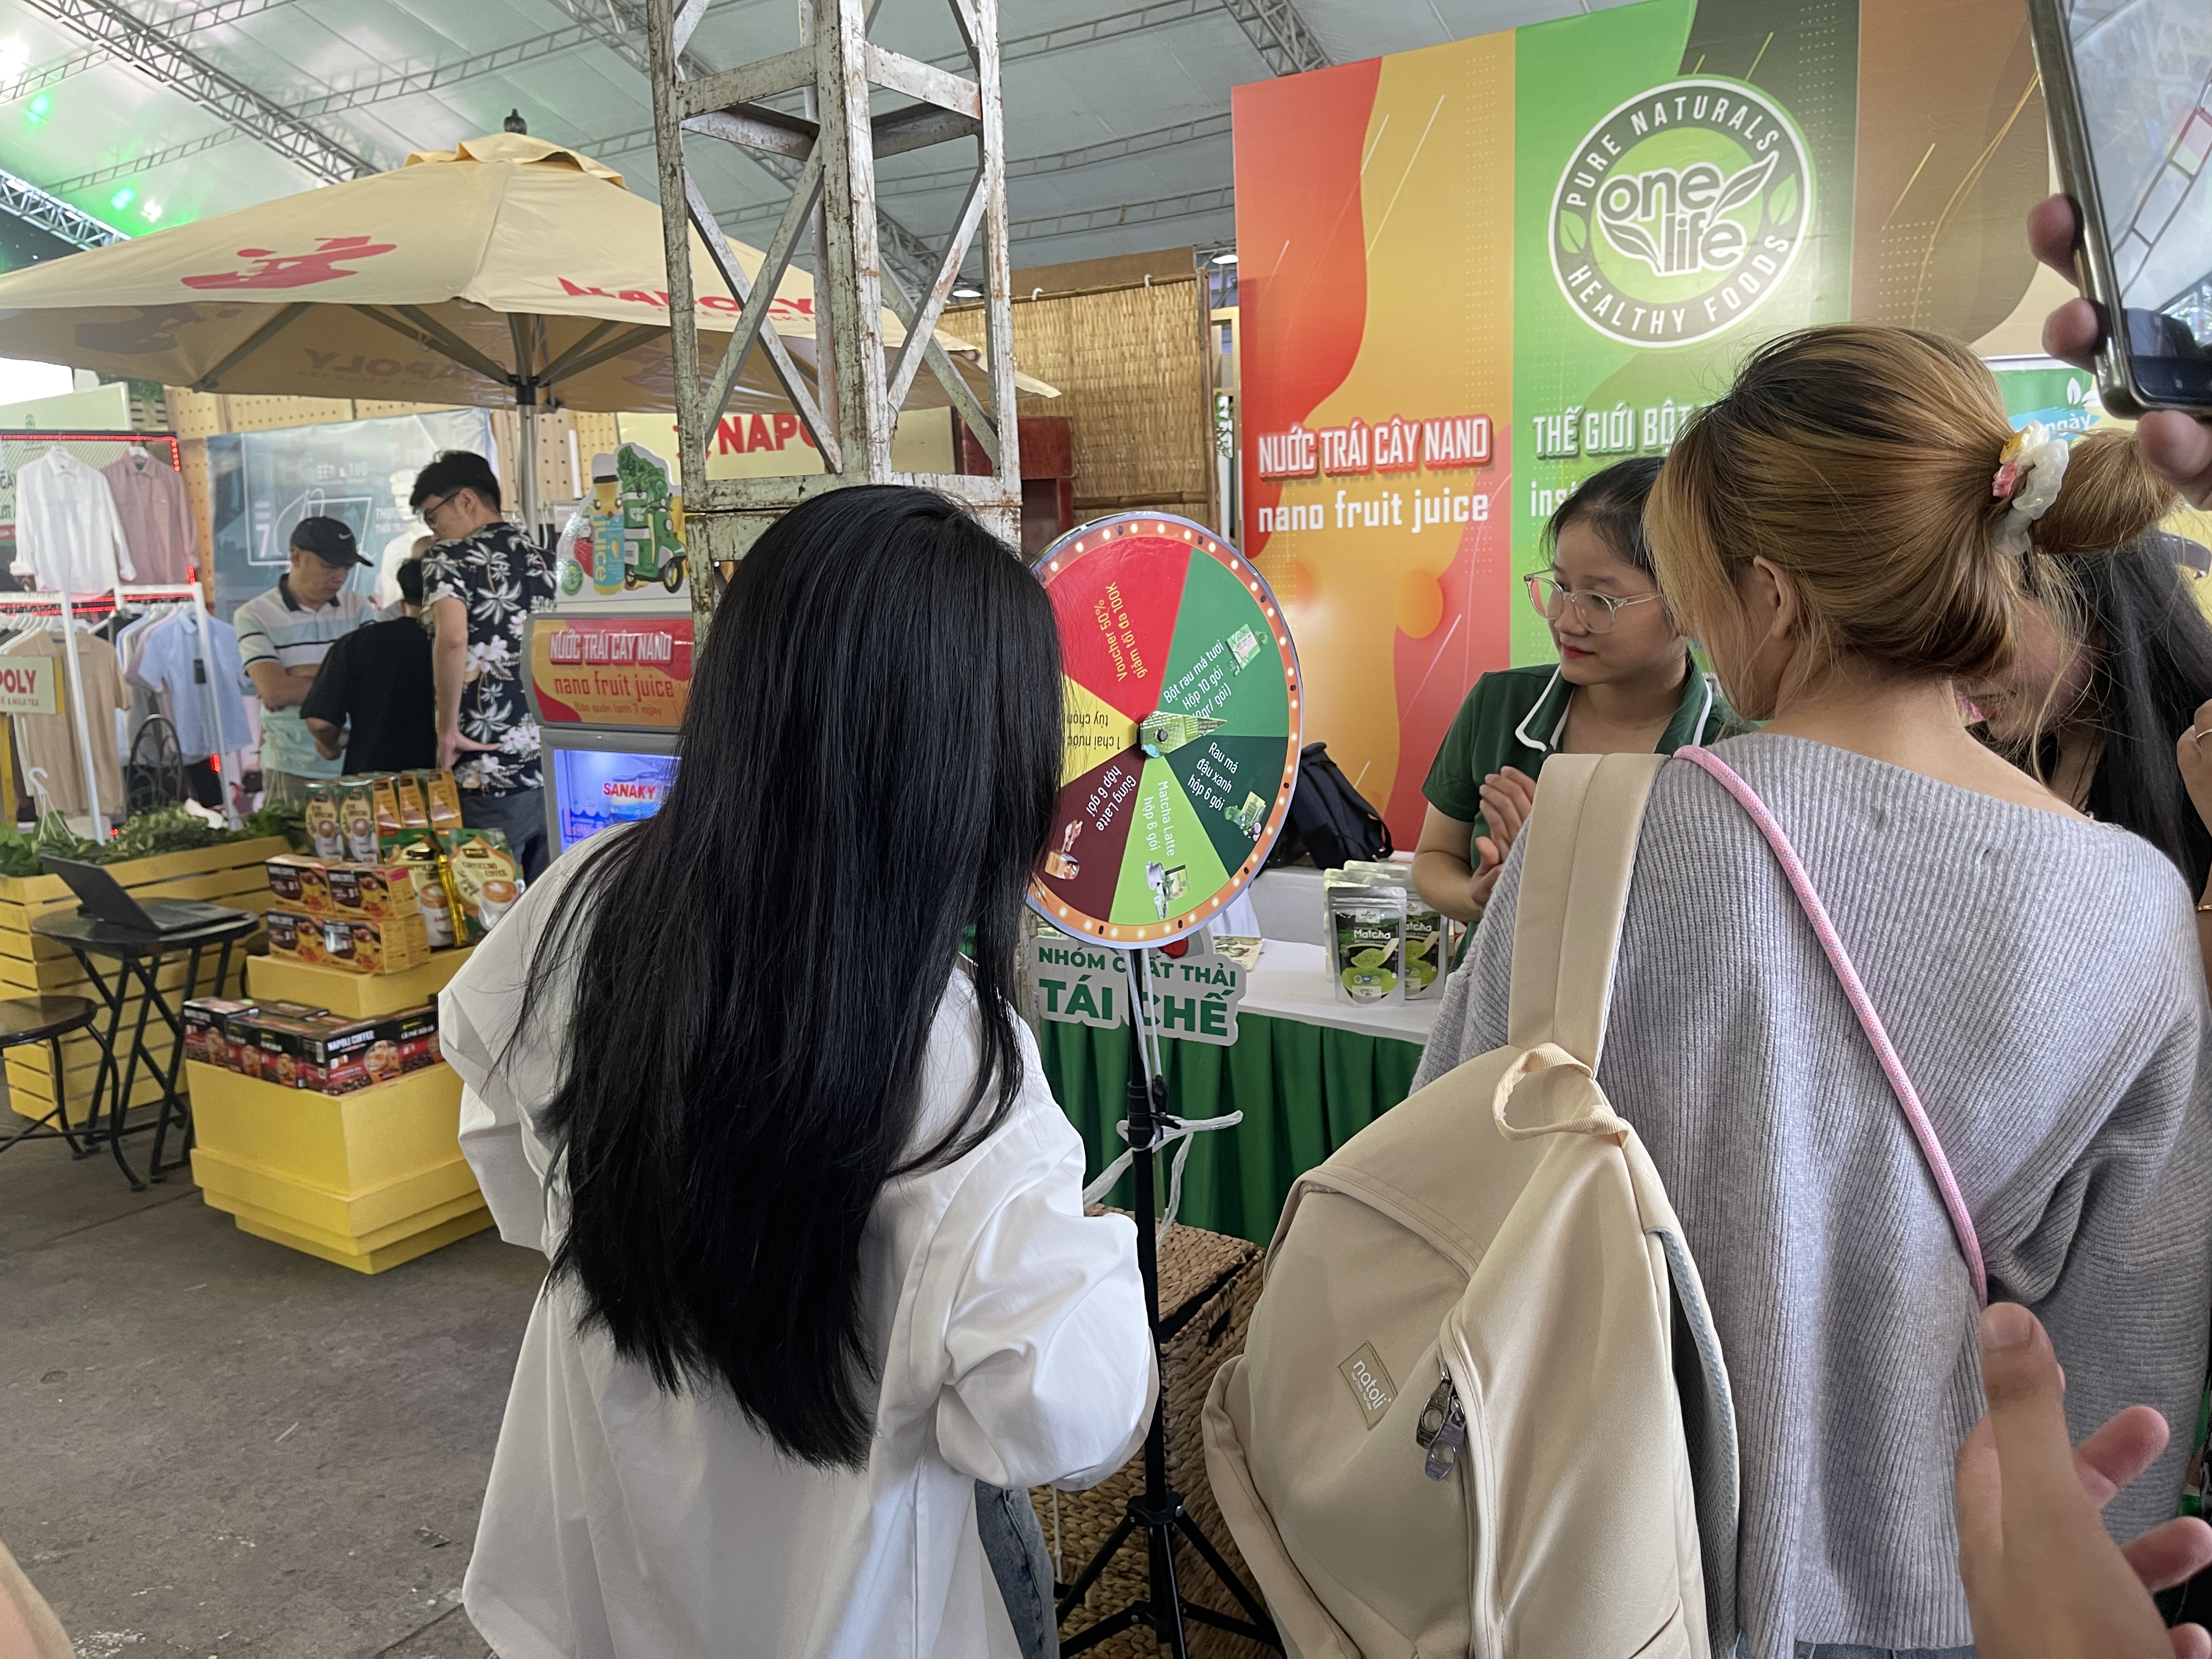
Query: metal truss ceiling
[[1117, 114]]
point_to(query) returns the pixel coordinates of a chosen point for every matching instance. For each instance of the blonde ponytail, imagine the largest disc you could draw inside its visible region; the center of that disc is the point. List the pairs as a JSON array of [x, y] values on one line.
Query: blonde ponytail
[[2111, 496], [1859, 461]]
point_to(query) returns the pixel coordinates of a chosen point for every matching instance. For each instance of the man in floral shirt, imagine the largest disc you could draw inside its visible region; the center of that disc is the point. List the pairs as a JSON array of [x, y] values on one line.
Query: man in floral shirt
[[479, 583]]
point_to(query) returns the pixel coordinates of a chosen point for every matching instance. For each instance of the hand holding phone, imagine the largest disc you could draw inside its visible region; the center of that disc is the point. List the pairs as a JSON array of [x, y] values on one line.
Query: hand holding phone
[[2128, 88], [2177, 445]]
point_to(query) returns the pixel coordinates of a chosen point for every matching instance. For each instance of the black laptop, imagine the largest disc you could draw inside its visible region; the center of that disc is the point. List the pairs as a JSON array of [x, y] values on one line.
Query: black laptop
[[99, 894]]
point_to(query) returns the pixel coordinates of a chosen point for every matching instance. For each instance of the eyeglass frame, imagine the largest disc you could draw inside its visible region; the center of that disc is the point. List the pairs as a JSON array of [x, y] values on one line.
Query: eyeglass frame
[[430, 510], [1610, 605]]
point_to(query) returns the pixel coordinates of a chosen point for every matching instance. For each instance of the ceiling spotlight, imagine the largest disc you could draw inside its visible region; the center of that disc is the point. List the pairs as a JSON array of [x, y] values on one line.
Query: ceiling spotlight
[[1223, 259], [40, 107], [151, 213], [966, 294], [122, 199]]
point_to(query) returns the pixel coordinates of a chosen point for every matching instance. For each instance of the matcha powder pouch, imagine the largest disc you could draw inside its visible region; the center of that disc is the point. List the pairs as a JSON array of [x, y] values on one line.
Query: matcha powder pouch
[[1423, 956], [1366, 937]]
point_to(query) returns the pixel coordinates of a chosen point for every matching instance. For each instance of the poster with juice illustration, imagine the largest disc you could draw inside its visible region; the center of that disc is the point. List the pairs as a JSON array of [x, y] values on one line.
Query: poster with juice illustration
[[1474, 274]]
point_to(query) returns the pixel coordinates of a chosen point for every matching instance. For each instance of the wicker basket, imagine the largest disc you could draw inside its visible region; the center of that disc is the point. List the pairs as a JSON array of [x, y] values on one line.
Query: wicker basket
[[1208, 1285]]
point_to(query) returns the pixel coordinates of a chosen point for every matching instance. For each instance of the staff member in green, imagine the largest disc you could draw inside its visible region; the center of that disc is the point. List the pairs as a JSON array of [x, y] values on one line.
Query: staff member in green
[[1625, 683]]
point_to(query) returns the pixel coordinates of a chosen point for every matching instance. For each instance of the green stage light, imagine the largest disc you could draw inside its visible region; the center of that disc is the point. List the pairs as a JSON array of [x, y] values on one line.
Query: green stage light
[[122, 199], [41, 107]]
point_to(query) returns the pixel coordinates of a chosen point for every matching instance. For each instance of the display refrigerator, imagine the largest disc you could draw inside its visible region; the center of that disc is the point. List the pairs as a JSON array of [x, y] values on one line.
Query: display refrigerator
[[608, 685]]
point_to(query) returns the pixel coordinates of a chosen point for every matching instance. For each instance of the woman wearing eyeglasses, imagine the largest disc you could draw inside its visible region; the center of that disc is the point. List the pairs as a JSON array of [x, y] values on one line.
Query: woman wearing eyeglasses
[[1624, 683]]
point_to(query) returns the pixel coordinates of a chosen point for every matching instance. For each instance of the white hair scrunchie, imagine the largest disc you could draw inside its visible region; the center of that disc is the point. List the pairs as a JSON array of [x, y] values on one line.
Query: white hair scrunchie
[[2031, 467]]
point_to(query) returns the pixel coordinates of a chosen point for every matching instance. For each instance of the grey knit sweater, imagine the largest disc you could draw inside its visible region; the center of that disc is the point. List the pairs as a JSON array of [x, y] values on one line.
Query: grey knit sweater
[[2040, 979]]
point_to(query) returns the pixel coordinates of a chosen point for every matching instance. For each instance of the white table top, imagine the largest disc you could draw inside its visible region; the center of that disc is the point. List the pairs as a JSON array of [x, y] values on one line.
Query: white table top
[[1290, 982]]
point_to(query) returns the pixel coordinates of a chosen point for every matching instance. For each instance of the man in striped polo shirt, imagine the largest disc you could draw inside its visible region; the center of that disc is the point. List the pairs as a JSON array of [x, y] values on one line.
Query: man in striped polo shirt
[[283, 636]]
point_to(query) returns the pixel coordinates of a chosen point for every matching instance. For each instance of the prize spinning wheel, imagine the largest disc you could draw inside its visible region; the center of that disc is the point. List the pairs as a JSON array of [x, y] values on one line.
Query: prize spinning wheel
[[1180, 699]]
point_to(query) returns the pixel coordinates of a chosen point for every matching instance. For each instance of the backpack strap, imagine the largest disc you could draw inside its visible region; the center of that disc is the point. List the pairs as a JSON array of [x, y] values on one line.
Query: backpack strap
[[1900, 1083], [1580, 847]]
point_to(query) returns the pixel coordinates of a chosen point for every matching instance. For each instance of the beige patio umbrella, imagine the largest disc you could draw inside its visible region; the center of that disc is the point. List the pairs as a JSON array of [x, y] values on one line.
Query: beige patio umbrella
[[508, 271]]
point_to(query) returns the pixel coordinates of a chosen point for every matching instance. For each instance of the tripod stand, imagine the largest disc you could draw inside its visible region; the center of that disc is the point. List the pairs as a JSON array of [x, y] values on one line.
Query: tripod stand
[[1156, 1511]]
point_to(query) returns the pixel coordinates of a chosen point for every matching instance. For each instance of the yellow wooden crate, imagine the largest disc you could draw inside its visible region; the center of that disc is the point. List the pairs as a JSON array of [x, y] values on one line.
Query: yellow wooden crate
[[358, 996], [367, 1179], [30, 1077]]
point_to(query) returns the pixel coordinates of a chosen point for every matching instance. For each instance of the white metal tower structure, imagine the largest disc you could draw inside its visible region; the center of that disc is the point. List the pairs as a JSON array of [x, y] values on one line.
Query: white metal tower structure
[[850, 406]]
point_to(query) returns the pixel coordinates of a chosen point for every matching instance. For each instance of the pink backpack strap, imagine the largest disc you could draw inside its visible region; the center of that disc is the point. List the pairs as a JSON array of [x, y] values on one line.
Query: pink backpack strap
[[1946, 1185]]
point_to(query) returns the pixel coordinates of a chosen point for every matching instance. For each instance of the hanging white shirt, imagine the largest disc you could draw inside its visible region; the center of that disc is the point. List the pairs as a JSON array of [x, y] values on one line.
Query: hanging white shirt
[[626, 1523], [68, 534]]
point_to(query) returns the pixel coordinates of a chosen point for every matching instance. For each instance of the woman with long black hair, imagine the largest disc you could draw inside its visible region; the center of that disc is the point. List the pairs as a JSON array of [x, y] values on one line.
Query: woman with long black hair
[[819, 1262], [2112, 666]]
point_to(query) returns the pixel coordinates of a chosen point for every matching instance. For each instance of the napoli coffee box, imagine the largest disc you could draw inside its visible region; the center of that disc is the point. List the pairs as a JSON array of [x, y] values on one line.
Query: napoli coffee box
[[222, 1031], [205, 1040], [332, 1055]]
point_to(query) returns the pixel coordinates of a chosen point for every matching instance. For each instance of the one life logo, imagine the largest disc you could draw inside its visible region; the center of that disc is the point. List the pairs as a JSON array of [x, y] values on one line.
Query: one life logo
[[1681, 212]]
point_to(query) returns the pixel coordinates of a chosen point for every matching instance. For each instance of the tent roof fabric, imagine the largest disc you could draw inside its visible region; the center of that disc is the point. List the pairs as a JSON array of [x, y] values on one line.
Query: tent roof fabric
[[1117, 110]]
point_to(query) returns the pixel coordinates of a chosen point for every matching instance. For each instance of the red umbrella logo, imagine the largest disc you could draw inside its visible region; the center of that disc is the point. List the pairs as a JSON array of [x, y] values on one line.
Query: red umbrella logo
[[272, 269]]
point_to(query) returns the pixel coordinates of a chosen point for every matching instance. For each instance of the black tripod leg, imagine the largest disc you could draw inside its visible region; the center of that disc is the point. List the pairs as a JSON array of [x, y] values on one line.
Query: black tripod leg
[[1167, 1599], [1092, 1634], [1230, 1581], [1097, 1564], [1204, 1615]]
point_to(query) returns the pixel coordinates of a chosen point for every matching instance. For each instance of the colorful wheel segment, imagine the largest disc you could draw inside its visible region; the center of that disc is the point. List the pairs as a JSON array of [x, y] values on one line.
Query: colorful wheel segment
[[1179, 698]]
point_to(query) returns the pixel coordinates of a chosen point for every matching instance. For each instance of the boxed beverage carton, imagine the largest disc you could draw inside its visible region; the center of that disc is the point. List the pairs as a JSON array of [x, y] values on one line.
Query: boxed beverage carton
[[441, 799], [356, 801], [325, 837], [295, 936], [384, 794], [301, 884], [362, 945], [414, 810], [203, 1019], [385, 888], [352, 1054]]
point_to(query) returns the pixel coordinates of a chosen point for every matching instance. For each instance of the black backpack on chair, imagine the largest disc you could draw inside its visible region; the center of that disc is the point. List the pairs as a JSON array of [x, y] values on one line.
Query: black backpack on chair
[[1330, 822]]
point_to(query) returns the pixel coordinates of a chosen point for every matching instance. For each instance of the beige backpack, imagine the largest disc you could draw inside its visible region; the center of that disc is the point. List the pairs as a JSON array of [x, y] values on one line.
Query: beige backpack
[[1466, 1417]]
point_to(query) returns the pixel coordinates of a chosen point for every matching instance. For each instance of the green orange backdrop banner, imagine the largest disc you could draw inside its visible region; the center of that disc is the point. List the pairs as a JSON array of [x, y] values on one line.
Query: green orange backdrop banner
[[1472, 275]]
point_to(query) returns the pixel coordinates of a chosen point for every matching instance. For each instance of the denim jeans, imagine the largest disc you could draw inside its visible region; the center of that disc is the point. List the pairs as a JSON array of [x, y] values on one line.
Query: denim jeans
[[520, 816], [1014, 1543]]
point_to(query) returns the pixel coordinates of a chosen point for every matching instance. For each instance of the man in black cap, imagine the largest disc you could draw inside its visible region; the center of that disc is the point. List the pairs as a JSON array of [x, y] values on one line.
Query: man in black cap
[[283, 636]]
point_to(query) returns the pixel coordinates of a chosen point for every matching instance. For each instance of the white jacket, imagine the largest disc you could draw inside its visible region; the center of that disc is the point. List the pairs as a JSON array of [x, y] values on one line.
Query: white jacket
[[625, 1522]]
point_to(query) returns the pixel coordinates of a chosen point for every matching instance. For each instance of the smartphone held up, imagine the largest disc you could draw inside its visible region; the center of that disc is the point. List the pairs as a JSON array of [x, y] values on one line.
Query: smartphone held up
[[2128, 84]]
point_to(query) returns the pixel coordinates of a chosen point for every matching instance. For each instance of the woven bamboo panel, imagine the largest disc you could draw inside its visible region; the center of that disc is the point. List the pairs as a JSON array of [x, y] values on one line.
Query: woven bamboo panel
[[1130, 364], [1209, 1284]]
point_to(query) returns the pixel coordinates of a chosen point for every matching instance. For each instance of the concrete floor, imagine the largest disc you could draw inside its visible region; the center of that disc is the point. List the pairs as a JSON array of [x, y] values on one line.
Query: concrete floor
[[212, 1445]]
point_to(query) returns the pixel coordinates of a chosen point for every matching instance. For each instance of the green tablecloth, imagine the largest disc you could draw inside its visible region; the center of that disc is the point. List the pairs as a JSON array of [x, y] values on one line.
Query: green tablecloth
[[1304, 1091]]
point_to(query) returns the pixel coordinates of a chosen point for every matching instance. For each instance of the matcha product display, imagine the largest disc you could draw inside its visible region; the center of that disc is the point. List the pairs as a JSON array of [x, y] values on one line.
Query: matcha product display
[[1366, 936], [1427, 935]]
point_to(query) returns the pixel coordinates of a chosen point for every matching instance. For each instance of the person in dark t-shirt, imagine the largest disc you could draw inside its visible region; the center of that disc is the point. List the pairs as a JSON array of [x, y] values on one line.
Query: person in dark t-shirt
[[382, 685]]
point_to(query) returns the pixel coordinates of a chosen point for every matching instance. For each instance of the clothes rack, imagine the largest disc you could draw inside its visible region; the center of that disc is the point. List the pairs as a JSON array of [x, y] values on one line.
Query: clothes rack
[[56, 604], [190, 592]]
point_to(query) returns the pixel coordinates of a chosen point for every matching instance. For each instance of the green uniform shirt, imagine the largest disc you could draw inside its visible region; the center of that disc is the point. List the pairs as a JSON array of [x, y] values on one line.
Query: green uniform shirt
[[1515, 717]]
